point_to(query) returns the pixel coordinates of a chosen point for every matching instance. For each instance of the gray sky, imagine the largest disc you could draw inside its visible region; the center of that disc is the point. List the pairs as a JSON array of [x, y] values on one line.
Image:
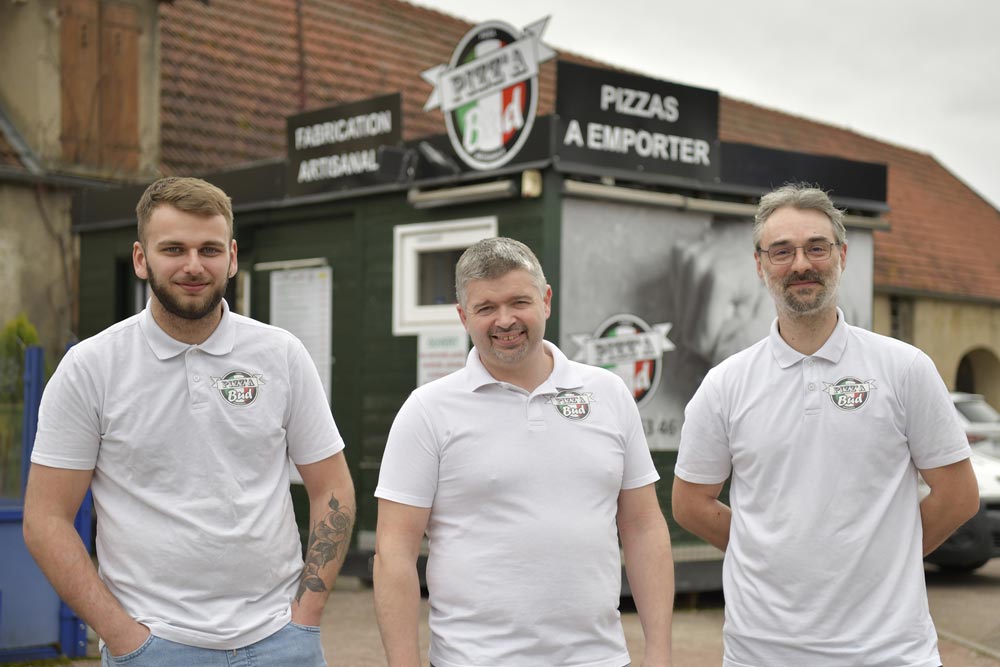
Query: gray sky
[[919, 73]]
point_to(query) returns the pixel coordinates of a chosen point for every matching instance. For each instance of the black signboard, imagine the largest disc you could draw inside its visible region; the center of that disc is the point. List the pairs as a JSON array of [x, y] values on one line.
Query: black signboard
[[849, 181], [433, 157], [612, 122], [338, 147]]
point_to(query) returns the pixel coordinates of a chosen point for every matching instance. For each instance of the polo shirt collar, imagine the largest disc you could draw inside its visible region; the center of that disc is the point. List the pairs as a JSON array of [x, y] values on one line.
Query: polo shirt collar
[[165, 347], [563, 375], [832, 350]]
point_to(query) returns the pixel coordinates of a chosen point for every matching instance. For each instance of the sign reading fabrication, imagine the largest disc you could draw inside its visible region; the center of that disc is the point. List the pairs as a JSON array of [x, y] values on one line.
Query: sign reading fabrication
[[337, 148], [635, 124]]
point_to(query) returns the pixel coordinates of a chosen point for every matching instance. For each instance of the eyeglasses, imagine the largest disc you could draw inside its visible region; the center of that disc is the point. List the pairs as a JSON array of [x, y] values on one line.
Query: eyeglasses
[[784, 253]]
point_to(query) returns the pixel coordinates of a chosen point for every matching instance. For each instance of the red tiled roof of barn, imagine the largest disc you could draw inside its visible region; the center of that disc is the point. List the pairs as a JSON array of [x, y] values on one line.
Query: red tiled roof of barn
[[230, 76], [943, 234], [231, 71]]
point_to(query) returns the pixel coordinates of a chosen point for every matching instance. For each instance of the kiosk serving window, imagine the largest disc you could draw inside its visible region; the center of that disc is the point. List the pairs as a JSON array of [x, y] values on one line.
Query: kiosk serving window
[[423, 272], [436, 277]]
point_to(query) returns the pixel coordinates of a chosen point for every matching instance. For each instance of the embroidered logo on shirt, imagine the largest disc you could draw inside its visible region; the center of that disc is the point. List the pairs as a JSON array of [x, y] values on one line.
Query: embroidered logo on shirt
[[849, 393], [238, 387], [573, 405]]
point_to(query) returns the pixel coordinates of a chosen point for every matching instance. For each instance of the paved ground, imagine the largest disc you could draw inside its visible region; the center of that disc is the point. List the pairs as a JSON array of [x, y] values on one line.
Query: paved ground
[[966, 610], [354, 614]]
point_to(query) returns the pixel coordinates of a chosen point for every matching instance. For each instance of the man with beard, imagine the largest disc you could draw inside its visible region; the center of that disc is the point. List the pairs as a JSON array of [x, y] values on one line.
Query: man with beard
[[523, 469], [822, 429], [182, 420]]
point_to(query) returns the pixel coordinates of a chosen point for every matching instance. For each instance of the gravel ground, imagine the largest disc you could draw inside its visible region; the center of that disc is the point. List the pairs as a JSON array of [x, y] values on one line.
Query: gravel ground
[[350, 635]]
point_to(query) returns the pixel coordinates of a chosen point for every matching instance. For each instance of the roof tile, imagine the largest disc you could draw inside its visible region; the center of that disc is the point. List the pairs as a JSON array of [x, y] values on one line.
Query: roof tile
[[231, 75]]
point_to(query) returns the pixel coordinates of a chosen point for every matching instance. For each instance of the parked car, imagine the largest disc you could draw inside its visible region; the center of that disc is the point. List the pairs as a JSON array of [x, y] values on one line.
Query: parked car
[[978, 540], [981, 422]]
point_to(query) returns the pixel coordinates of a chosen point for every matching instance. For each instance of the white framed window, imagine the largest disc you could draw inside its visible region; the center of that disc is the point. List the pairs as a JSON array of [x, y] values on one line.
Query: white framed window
[[423, 271]]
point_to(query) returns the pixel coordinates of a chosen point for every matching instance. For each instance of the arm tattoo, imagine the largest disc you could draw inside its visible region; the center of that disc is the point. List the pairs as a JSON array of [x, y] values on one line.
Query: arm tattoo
[[328, 541]]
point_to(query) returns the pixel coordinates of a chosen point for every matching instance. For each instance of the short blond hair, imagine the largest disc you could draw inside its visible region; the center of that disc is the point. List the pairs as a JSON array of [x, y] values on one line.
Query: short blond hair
[[191, 195]]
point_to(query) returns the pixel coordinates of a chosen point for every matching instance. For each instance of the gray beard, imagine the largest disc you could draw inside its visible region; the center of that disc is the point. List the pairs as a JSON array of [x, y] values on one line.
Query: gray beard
[[791, 304]]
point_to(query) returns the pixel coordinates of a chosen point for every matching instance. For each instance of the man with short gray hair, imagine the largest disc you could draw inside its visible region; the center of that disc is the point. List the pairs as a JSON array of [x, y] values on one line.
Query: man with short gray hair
[[524, 468], [821, 429]]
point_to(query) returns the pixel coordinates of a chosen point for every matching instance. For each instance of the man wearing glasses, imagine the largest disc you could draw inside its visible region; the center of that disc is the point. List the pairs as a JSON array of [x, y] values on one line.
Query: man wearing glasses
[[821, 429]]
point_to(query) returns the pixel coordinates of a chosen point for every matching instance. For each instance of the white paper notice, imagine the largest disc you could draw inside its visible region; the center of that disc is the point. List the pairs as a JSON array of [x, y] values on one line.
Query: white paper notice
[[301, 302], [440, 353]]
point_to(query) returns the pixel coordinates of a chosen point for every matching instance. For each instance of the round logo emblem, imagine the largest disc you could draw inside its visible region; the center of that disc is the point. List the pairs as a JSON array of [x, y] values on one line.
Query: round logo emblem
[[849, 393], [489, 129], [238, 387], [573, 405], [638, 357]]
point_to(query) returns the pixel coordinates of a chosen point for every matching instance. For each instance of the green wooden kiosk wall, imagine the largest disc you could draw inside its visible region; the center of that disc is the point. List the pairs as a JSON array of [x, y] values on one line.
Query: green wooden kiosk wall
[[374, 371]]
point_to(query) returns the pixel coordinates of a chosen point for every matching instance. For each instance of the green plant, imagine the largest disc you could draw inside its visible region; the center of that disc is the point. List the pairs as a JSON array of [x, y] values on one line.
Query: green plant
[[16, 335]]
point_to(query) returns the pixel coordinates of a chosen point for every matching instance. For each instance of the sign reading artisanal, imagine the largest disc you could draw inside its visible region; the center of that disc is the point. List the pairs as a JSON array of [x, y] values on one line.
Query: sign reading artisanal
[[488, 92], [337, 147], [611, 120]]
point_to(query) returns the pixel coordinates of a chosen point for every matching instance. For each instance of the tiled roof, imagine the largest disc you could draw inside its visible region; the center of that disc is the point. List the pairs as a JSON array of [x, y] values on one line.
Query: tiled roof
[[231, 74], [943, 234]]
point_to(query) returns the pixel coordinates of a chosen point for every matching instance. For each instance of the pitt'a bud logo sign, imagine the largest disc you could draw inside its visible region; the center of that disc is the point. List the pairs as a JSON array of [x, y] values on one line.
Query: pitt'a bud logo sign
[[489, 91], [239, 387], [849, 393], [573, 405], [628, 346]]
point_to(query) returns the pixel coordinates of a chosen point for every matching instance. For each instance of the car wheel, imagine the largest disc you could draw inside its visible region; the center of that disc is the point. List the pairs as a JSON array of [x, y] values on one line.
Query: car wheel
[[963, 568]]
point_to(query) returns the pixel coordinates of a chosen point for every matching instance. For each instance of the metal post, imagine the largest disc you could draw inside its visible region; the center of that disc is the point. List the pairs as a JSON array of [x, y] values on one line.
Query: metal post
[[72, 630], [34, 380], [72, 633]]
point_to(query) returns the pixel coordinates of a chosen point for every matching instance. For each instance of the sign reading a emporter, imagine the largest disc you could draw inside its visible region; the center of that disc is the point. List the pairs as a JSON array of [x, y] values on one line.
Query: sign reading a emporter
[[615, 121]]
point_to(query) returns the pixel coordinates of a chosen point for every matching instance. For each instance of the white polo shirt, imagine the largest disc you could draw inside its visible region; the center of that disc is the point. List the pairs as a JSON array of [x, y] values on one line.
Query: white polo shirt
[[524, 566], [189, 445], [824, 565]]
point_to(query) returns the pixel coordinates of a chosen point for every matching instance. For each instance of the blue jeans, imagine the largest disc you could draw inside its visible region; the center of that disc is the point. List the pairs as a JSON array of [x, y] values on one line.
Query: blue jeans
[[294, 644]]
